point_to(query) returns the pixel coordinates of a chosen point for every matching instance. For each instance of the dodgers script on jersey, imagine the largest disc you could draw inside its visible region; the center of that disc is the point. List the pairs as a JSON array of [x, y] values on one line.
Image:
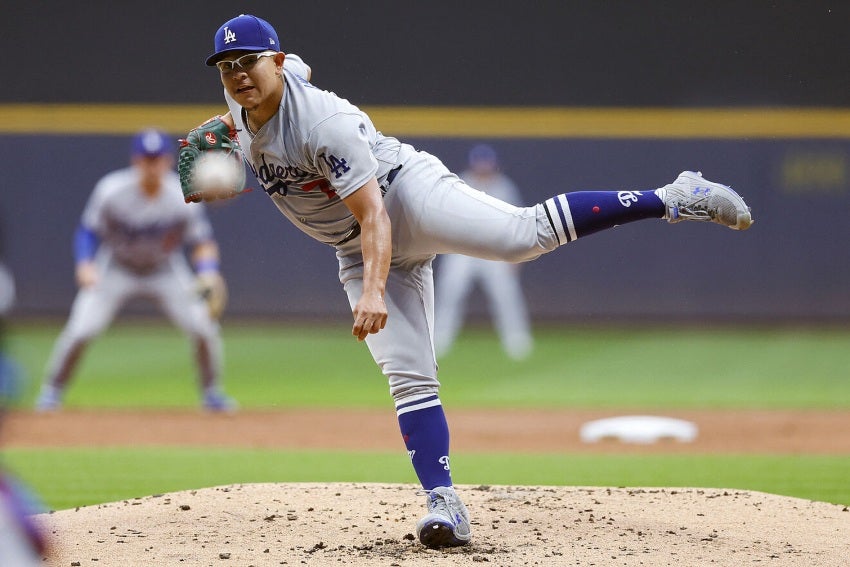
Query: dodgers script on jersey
[[139, 232], [317, 150]]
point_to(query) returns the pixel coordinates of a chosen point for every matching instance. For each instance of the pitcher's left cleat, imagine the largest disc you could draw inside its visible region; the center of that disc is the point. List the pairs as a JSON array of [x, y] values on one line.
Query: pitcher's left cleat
[[447, 522], [692, 197]]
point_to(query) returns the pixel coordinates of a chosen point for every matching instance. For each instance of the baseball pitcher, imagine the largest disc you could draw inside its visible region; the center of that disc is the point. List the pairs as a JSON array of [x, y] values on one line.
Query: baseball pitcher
[[387, 209]]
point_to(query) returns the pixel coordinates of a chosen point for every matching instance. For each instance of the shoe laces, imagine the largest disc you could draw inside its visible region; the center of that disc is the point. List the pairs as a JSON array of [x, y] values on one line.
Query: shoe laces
[[445, 502], [687, 203], [698, 209]]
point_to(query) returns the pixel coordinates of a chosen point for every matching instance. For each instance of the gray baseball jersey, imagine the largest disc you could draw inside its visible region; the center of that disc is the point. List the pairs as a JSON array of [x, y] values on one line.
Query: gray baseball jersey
[[318, 149], [138, 232]]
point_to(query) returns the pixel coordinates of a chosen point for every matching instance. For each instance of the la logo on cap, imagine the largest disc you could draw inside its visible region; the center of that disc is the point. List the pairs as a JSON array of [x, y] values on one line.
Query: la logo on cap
[[243, 33]]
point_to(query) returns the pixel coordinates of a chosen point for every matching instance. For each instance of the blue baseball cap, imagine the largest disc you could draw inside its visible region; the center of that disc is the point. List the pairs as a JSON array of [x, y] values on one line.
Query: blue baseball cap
[[244, 33], [152, 143], [483, 153]]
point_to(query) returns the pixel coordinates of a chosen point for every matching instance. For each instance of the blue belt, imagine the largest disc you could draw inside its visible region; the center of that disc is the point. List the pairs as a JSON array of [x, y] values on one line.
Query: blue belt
[[390, 176]]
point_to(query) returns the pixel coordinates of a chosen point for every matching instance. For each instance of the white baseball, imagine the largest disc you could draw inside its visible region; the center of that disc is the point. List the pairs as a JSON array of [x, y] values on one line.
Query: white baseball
[[217, 172]]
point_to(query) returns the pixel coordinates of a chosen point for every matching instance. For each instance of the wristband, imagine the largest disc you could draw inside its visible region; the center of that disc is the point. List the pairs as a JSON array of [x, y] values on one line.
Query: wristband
[[85, 244], [206, 265]]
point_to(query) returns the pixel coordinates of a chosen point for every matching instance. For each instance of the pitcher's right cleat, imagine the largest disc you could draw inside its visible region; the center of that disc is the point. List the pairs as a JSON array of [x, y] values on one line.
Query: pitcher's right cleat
[[692, 197], [447, 522]]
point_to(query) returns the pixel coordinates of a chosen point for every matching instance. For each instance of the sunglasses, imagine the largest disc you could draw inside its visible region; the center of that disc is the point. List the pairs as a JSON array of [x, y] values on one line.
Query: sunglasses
[[246, 62]]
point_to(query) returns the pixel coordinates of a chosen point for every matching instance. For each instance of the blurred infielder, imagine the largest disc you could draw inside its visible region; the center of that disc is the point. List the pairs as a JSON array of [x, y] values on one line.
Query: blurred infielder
[[21, 542], [130, 243], [9, 371], [458, 274], [387, 209]]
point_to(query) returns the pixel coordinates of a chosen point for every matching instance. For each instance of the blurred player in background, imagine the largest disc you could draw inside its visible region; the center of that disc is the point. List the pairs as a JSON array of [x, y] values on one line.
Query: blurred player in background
[[7, 299], [130, 243], [21, 542], [458, 274], [387, 209]]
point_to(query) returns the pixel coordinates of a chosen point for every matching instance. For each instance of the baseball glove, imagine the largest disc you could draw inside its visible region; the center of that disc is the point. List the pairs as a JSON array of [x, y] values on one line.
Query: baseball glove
[[213, 290], [216, 135]]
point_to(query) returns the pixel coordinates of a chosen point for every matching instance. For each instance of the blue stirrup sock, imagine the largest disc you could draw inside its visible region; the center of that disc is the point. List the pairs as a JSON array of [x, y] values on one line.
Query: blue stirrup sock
[[573, 215], [426, 436]]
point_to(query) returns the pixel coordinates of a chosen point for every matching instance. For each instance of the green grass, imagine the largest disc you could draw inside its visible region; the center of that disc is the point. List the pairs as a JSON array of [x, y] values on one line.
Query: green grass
[[65, 478], [300, 365], [297, 365], [661, 368]]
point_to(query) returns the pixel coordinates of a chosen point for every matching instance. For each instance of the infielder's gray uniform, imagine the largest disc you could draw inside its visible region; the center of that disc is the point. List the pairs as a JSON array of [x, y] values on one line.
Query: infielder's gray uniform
[[457, 275], [140, 254], [21, 542], [319, 148]]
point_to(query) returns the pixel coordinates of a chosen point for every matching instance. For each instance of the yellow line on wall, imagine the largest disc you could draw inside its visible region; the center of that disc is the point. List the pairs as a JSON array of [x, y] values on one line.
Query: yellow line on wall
[[614, 123], [101, 118], [463, 122]]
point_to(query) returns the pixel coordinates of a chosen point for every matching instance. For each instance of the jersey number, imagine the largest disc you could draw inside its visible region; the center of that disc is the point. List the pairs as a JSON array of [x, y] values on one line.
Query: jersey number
[[322, 185]]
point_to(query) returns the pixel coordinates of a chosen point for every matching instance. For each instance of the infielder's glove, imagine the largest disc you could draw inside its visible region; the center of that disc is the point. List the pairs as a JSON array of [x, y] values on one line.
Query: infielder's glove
[[213, 290], [215, 135]]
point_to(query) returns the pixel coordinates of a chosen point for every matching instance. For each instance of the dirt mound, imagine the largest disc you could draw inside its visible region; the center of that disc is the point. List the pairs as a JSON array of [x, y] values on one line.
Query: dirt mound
[[373, 524]]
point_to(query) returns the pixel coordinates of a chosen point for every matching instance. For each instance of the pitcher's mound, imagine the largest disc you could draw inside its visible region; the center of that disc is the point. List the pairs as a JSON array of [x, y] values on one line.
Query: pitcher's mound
[[373, 524]]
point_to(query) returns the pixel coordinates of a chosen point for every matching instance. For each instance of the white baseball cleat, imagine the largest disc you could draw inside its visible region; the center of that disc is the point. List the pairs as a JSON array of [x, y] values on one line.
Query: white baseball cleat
[[692, 197], [447, 522], [49, 399], [218, 402]]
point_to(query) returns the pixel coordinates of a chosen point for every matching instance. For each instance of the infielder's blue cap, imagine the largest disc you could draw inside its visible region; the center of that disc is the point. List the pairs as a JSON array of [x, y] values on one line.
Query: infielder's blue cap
[[244, 33], [482, 153], [152, 143]]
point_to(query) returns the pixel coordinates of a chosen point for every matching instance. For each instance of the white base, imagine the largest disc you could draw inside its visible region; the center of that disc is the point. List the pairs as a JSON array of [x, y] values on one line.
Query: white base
[[638, 429]]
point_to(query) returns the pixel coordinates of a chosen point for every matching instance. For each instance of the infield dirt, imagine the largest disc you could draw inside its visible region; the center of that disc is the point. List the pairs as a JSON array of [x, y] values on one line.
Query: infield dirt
[[372, 524]]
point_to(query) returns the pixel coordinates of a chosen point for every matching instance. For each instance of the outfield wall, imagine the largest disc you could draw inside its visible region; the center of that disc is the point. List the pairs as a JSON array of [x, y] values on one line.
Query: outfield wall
[[791, 264], [580, 95]]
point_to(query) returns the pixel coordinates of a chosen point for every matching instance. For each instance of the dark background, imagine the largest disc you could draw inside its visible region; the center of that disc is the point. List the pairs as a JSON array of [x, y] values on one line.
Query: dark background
[[792, 265], [562, 53]]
